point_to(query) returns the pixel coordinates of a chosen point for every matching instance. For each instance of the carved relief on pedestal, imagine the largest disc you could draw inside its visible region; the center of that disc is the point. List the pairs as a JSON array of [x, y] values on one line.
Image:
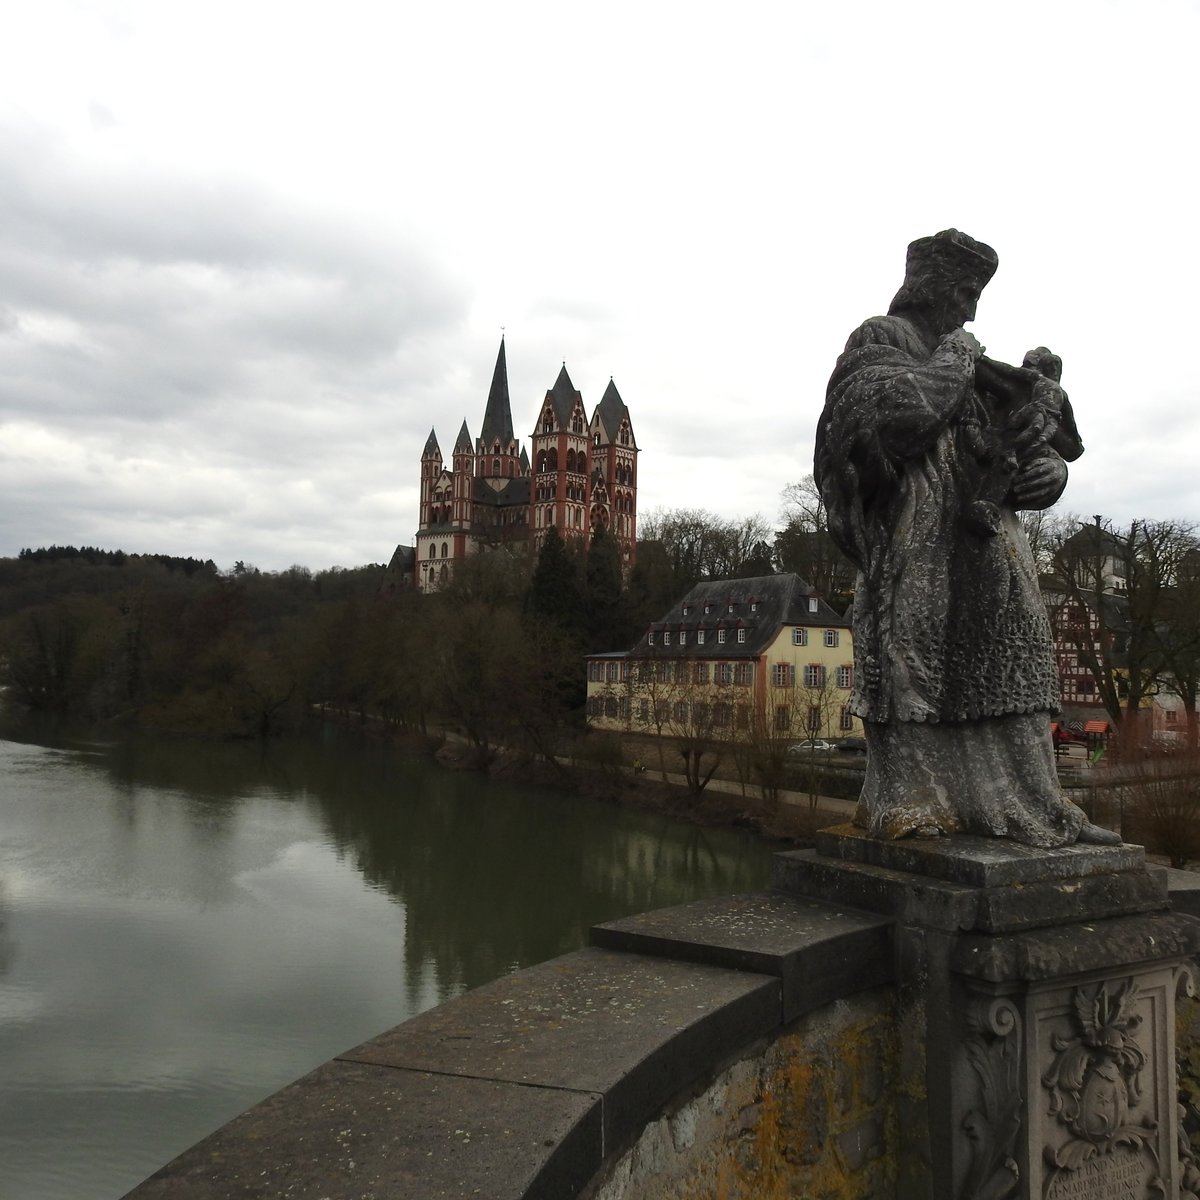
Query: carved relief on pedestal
[[1108, 1123], [992, 1123]]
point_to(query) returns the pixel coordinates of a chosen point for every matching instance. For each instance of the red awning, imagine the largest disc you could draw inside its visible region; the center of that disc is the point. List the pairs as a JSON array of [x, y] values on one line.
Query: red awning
[[1096, 727]]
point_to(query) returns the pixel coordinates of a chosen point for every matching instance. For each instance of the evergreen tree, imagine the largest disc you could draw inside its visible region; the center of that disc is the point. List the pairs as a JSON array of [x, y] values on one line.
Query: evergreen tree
[[554, 593]]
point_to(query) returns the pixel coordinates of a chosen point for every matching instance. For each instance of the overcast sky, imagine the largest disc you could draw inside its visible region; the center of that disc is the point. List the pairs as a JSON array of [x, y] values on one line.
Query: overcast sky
[[250, 252]]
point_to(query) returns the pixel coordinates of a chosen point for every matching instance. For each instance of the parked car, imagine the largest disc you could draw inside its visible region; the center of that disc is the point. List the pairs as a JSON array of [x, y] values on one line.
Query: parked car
[[854, 745], [815, 744]]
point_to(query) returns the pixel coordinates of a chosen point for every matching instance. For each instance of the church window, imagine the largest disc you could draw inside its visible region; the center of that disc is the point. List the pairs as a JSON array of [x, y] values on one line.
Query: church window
[[495, 466], [443, 549], [444, 574]]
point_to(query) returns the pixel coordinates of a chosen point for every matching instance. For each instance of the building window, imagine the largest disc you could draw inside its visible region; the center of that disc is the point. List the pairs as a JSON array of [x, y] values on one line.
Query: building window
[[610, 706], [699, 637], [741, 637], [814, 675], [743, 716], [846, 720], [666, 637], [708, 608], [650, 638], [814, 719], [783, 719], [720, 637], [812, 604], [680, 712], [683, 637], [723, 673], [1169, 716], [701, 672], [722, 715], [644, 712], [783, 675], [754, 606], [729, 606], [845, 676], [611, 672], [687, 608], [743, 673], [831, 637], [799, 637]]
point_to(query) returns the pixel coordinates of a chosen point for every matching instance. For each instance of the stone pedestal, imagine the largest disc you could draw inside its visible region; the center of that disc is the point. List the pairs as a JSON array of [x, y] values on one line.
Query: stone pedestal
[[1038, 989]]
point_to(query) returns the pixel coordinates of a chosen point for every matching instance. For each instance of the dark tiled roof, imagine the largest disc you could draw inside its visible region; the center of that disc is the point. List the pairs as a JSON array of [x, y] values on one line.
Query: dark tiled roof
[[612, 411], [464, 440], [431, 446], [403, 560], [524, 459], [563, 396], [497, 419], [514, 491], [778, 599]]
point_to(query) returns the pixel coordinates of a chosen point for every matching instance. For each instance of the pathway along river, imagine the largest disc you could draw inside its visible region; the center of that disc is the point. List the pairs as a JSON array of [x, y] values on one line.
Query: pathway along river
[[185, 927]]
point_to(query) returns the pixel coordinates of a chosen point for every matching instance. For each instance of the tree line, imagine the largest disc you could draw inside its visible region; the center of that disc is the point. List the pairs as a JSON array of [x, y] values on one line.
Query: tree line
[[175, 643]]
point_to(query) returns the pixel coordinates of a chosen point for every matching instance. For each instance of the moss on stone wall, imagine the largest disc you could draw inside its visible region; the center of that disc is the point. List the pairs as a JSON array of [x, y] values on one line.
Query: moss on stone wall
[[811, 1115]]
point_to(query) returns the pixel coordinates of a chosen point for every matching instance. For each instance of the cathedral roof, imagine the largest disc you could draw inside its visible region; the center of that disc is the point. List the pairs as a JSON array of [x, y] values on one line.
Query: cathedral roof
[[464, 440], [524, 459], [563, 395], [497, 419], [612, 411], [431, 446]]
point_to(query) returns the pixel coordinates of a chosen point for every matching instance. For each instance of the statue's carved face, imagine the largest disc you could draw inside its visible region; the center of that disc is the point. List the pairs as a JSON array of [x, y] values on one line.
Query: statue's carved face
[[956, 305]]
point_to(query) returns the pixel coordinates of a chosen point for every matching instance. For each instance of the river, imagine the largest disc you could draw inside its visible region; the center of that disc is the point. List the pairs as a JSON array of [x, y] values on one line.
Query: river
[[185, 927]]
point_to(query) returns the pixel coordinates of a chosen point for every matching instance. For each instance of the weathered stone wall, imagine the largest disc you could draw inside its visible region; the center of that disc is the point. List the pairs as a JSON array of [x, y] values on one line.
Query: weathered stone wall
[[813, 1114]]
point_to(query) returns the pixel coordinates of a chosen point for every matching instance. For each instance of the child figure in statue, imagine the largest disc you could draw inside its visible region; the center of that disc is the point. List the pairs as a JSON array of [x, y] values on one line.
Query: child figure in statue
[[1044, 423]]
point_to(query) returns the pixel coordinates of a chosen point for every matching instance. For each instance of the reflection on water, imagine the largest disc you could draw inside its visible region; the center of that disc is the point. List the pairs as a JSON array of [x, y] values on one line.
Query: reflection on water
[[185, 927]]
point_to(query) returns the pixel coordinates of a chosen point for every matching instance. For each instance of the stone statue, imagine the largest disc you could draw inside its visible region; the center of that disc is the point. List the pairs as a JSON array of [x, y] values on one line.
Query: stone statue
[[925, 450]]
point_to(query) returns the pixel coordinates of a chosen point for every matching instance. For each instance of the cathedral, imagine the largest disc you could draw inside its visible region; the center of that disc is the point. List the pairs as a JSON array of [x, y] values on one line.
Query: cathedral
[[580, 474]]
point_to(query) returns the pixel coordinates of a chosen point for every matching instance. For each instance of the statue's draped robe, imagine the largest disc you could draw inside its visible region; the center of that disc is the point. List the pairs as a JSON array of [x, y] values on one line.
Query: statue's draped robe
[[954, 665]]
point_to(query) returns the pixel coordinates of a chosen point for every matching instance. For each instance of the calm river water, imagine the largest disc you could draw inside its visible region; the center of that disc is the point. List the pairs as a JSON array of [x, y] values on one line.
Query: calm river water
[[186, 927]]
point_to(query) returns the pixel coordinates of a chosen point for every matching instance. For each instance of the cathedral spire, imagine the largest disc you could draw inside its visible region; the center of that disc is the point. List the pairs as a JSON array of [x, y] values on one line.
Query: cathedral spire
[[497, 420]]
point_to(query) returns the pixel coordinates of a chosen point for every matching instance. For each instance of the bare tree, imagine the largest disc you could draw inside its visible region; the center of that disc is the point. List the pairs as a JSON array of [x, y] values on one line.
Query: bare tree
[[1115, 585], [805, 546]]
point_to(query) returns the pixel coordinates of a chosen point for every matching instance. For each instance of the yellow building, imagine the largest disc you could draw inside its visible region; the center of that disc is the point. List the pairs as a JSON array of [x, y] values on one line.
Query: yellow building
[[763, 656]]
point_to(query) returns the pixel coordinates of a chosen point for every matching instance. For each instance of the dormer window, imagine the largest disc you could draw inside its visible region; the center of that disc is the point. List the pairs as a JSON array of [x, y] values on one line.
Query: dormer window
[[729, 607], [741, 637], [754, 606], [683, 637], [708, 608], [666, 637], [650, 638], [699, 637], [687, 608], [812, 604]]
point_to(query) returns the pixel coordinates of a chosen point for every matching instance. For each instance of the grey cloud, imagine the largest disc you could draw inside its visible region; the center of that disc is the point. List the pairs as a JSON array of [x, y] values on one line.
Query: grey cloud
[[232, 341]]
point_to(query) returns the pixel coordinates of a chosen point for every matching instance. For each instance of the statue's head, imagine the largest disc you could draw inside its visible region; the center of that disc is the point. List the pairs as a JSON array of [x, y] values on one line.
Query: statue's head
[[1045, 362], [944, 276]]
